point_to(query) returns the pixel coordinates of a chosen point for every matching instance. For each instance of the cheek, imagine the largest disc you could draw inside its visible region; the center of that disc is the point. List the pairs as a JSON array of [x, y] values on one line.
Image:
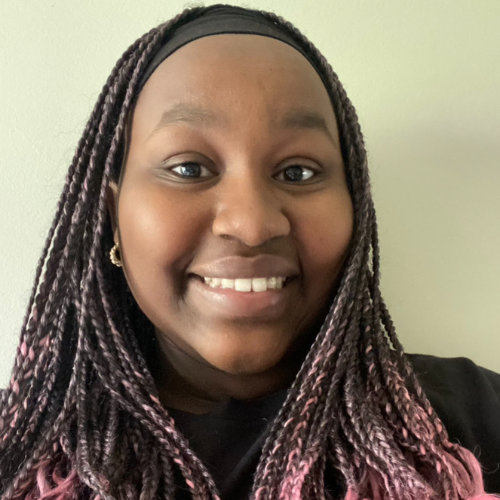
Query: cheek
[[324, 236], [158, 234]]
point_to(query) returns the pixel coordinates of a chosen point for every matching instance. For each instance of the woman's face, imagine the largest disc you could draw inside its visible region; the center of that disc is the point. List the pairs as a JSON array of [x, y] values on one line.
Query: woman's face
[[234, 177]]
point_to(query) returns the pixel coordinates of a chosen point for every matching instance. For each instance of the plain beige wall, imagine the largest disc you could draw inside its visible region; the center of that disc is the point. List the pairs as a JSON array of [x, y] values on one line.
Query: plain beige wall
[[425, 79]]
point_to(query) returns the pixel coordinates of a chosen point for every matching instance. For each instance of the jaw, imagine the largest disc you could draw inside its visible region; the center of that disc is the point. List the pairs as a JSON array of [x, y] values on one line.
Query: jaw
[[239, 367]]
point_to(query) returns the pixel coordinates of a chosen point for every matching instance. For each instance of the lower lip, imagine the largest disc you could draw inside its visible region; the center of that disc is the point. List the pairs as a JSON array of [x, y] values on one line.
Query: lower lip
[[270, 304]]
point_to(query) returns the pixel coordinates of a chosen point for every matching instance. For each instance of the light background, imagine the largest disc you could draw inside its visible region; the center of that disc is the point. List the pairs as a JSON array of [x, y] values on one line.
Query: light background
[[425, 79]]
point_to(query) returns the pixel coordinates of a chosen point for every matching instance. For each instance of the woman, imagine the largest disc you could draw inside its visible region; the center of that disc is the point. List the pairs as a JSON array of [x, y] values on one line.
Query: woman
[[212, 273]]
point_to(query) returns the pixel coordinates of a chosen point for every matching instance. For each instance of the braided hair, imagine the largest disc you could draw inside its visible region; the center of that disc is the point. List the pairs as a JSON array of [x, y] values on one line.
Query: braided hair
[[81, 417]]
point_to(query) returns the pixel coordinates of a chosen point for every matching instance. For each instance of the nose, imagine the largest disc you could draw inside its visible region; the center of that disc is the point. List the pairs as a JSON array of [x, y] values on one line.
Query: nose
[[249, 211]]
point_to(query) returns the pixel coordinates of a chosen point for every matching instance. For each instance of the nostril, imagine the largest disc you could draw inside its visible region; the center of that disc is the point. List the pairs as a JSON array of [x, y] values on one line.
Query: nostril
[[251, 223]]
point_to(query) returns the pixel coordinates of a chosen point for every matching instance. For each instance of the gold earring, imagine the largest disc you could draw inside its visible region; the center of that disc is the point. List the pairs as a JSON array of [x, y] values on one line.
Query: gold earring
[[114, 258]]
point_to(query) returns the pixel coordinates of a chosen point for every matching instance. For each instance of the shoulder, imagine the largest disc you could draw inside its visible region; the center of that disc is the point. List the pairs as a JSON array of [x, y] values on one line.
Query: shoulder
[[457, 375], [458, 382], [466, 398]]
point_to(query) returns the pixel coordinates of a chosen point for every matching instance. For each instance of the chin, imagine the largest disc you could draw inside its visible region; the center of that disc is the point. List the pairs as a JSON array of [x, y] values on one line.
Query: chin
[[244, 364]]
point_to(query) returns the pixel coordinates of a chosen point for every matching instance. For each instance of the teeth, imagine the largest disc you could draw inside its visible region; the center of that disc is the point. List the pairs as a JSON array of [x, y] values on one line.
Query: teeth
[[246, 284], [215, 282], [243, 285], [259, 284], [226, 283]]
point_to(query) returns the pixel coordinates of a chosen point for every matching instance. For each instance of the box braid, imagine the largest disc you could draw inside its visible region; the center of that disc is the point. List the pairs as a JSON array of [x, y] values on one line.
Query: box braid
[[81, 417]]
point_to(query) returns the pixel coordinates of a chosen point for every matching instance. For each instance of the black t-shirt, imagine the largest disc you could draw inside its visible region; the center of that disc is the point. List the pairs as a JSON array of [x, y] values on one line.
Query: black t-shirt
[[466, 398]]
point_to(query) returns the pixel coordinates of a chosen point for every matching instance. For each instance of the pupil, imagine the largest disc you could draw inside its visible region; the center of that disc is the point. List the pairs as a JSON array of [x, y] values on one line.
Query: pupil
[[190, 170], [293, 173]]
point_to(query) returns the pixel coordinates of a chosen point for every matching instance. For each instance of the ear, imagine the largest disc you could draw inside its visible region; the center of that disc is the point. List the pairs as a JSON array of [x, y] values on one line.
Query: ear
[[112, 205]]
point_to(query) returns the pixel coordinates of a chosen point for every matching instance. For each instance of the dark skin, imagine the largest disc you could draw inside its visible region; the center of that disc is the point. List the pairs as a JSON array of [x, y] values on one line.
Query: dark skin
[[233, 170]]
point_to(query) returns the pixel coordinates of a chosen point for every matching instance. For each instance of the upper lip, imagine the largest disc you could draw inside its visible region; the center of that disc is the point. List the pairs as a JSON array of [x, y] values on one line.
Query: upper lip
[[234, 267]]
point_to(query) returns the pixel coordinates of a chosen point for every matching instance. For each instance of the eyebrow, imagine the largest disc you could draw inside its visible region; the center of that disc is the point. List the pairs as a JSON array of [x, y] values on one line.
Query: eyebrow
[[304, 119], [294, 119], [187, 113]]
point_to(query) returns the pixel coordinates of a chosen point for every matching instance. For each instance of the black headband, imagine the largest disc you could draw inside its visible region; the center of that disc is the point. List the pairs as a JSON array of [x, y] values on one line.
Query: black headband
[[217, 20]]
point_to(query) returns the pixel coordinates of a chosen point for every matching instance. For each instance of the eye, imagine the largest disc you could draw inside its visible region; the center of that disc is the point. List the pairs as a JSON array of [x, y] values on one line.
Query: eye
[[191, 170], [295, 174]]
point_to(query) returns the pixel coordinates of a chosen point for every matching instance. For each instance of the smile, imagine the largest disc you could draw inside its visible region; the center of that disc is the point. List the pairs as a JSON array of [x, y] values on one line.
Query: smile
[[236, 298], [246, 284]]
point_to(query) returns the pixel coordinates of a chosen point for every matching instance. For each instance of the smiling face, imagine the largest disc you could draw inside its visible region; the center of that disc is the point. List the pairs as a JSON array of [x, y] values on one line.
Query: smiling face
[[234, 172]]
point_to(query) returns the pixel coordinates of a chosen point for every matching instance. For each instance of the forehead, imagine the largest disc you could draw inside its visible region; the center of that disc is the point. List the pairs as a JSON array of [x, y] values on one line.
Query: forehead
[[231, 72]]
